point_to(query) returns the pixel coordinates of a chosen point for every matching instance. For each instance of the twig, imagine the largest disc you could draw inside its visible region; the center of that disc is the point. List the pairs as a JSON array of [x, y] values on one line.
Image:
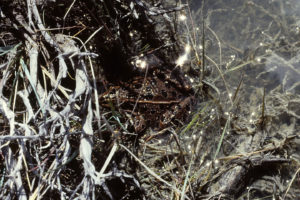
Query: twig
[[152, 172], [291, 182]]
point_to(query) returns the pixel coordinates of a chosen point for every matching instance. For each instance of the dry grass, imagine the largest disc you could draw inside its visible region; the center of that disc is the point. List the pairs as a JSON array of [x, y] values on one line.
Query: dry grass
[[57, 141]]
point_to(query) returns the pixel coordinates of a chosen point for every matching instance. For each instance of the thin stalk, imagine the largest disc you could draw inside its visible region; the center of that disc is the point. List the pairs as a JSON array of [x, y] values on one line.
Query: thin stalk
[[203, 46]]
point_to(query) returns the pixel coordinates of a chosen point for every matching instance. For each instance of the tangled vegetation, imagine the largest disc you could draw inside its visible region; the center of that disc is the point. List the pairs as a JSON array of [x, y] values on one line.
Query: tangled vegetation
[[135, 99]]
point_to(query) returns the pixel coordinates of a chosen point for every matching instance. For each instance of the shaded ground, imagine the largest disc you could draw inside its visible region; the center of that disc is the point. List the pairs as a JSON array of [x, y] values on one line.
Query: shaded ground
[[114, 100]]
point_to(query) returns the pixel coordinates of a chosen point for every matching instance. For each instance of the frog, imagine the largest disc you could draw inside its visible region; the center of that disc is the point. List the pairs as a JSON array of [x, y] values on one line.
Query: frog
[[156, 99]]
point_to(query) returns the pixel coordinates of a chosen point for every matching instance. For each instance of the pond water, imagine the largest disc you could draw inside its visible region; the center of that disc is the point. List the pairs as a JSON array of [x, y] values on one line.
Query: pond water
[[252, 49], [264, 34], [257, 41]]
